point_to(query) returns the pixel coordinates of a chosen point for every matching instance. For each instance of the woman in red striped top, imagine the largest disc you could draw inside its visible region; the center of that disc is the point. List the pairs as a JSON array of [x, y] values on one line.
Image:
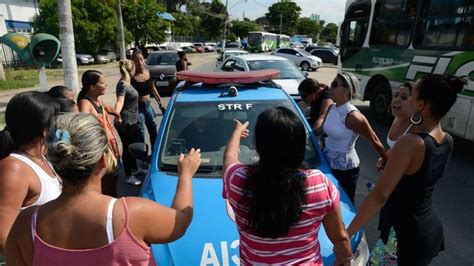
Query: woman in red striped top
[[279, 205]]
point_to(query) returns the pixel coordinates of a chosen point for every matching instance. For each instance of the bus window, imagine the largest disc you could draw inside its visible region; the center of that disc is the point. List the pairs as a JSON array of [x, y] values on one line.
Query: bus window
[[393, 22], [446, 24], [354, 29]]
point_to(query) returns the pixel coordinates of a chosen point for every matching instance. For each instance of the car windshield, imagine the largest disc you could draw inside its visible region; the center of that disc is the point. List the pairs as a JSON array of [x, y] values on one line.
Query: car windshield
[[162, 59], [303, 52], [208, 126], [287, 69]]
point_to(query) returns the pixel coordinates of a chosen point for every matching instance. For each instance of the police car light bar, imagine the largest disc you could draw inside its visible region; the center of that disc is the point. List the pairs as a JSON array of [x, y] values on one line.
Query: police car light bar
[[244, 77]]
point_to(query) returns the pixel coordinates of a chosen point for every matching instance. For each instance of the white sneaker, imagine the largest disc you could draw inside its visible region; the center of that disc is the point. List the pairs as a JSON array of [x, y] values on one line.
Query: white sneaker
[[132, 180], [139, 171]]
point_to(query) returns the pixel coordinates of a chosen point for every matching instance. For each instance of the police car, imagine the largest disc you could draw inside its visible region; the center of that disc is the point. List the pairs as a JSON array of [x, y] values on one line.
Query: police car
[[200, 114]]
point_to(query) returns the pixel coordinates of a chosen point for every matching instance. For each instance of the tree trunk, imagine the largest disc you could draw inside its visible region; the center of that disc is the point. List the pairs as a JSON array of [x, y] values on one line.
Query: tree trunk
[[2, 72], [120, 29], [68, 53]]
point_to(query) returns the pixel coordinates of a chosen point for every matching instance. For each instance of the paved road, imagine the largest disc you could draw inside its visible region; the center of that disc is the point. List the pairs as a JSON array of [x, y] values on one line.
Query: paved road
[[454, 194]]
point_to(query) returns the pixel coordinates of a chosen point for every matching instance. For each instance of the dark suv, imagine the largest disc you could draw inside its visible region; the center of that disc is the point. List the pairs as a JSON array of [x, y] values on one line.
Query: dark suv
[[162, 66]]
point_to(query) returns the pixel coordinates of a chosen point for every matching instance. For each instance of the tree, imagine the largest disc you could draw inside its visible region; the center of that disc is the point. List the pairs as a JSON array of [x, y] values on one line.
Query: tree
[[94, 23], [140, 18], [309, 27], [212, 24], [242, 28], [287, 12], [185, 25], [329, 33]]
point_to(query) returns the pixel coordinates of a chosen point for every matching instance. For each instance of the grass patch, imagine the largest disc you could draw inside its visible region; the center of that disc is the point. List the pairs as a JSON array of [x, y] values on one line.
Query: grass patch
[[2, 119], [28, 77]]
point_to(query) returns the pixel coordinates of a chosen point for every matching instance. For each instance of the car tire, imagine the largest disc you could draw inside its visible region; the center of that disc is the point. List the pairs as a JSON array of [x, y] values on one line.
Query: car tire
[[380, 101], [305, 66]]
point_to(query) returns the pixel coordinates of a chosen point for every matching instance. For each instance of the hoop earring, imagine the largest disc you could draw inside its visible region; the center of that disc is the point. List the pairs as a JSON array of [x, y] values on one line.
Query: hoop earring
[[416, 119]]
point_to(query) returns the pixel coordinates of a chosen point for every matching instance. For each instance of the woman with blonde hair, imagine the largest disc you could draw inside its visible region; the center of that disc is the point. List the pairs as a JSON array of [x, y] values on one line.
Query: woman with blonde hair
[[85, 227], [127, 126]]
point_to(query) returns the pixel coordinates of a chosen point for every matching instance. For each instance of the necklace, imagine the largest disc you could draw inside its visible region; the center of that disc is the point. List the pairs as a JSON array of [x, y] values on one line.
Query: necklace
[[40, 157]]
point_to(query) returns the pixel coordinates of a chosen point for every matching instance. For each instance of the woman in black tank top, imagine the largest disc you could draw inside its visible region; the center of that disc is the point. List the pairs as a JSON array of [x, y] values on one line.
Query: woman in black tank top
[[415, 164], [143, 83]]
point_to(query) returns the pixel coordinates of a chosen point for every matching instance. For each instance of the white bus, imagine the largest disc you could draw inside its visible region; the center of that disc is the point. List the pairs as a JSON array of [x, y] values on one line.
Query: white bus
[[283, 41], [260, 41], [387, 42]]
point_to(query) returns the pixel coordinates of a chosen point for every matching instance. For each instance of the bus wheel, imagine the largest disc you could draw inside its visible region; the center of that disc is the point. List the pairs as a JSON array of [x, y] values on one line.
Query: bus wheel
[[305, 66], [380, 102]]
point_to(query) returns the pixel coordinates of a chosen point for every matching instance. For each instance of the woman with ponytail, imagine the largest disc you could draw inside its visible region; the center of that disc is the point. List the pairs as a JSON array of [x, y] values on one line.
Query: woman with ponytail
[[416, 163], [278, 204], [26, 177], [127, 127]]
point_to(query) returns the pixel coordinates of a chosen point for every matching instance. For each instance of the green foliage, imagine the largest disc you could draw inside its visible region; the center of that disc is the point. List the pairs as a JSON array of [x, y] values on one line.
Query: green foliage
[[212, 24], [288, 12], [140, 18], [242, 28], [185, 25], [329, 33], [94, 23], [309, 27], [231, 37]]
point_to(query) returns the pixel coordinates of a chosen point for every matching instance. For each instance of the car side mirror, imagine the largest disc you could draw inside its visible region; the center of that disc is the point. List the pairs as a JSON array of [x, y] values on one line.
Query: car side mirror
[[298, 55], [139, 151], [188, 63]]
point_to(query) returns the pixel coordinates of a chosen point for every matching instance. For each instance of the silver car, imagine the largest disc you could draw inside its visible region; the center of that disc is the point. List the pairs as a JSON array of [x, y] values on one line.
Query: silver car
[[301, 58], [290, 76], [227, 53]]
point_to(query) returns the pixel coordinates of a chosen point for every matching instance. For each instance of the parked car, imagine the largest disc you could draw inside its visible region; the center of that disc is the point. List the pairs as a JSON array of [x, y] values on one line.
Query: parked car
[[210, 47], [101, 59], [188, 49], [162, 66], [301, 58], [84, 59], [225, 54], [212, 237], [200, 48], [110, 54], [327, 55], [228, 45], [290, 75]]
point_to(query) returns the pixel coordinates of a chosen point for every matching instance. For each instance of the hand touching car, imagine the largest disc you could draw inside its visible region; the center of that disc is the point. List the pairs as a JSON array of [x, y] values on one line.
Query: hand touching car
[[188, 165]]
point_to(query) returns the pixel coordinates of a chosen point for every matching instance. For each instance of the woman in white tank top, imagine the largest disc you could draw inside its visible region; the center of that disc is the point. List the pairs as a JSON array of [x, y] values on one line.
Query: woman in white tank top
[[26, 177], [343, 125]]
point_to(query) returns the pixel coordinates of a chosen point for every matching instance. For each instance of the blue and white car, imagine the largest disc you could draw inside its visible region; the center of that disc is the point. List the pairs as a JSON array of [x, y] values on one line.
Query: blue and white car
[[201, 115]]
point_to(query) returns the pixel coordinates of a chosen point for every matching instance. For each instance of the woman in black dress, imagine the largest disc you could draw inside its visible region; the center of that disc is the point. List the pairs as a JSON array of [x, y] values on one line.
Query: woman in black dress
[[415, 164]]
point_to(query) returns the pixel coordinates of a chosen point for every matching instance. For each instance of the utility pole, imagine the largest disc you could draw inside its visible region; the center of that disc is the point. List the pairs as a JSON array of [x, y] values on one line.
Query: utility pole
[[225, 24], [281, 15], [68, 52], [2, 72], [120, 29]]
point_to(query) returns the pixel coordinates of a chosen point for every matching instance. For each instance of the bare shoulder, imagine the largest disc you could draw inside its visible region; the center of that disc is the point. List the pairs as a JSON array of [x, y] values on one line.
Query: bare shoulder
[[409, 143], [13, 172], [84, 106]]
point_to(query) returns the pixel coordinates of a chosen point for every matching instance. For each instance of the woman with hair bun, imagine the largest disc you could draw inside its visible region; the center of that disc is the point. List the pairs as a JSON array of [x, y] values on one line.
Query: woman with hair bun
[[416, 163], [85, 227], [26, 176]]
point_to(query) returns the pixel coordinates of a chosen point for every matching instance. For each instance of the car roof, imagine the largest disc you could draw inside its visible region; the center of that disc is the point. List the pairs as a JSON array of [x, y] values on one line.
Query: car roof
[[163, 52], [258, 57]]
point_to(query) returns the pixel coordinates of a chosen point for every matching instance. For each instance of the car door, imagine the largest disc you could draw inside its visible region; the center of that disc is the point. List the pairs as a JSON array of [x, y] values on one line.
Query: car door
[[228, 66], [284, 53], [295, 56], [239, 65]]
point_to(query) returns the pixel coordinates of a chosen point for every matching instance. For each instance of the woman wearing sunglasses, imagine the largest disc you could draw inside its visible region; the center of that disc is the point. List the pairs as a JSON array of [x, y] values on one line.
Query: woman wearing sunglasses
[[343, 125]]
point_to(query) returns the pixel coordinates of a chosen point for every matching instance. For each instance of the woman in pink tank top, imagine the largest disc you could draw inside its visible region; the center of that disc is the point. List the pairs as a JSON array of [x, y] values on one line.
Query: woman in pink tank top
[[83, 226]]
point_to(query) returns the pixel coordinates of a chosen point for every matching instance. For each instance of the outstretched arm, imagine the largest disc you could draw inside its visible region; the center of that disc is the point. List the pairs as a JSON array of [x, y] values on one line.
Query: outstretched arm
[[406, 156], [357, 122], [231, 154]]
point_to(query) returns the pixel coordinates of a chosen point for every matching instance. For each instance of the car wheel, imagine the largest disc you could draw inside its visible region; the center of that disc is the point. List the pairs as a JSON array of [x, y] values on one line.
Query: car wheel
[[305, 66], [380, 102]]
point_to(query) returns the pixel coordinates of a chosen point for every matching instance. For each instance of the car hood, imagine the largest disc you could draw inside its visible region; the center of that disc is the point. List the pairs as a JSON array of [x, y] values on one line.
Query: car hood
[[212, 237], [289, 85], [156, 70]]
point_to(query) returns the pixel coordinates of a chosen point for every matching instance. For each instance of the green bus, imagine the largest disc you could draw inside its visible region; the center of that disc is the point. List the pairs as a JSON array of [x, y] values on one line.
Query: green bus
[[388, 42], [260, 41]]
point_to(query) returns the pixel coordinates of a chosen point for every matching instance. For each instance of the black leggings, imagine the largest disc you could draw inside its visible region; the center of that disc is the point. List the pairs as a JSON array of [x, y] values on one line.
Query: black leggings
[[348, 180], [129, 134]]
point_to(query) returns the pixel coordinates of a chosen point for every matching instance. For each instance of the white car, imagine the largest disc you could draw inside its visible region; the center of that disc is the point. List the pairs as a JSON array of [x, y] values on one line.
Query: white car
[[226, 53], [290, 76], [301, 58]]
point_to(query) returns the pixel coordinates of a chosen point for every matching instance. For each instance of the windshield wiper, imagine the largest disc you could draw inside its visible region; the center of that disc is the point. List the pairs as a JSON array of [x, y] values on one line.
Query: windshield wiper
[[169, 168]]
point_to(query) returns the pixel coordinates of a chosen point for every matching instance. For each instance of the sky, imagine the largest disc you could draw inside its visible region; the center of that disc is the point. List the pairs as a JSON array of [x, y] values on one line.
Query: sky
[[329, 10]]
